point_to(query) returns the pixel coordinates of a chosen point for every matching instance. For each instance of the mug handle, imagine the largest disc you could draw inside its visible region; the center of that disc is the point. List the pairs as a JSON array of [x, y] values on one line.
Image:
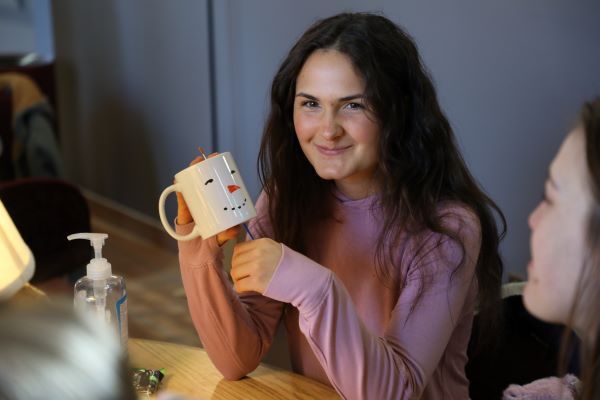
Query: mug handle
[[163, 216]]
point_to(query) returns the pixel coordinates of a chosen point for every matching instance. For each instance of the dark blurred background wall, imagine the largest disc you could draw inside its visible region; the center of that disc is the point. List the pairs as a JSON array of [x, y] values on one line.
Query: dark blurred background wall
[[142, 83]]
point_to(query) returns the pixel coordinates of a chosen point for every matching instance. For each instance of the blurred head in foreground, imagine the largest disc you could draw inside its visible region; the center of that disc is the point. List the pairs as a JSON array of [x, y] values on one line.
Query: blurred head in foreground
[[564, 272], [50, 352]]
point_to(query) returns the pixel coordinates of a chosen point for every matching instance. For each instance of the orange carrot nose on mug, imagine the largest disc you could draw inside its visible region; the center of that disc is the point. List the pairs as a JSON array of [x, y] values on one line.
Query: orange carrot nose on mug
[[215, 195]]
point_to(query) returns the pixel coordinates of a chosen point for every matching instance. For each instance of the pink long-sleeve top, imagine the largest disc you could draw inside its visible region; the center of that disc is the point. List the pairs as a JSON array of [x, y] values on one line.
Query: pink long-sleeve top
[[345, 327]]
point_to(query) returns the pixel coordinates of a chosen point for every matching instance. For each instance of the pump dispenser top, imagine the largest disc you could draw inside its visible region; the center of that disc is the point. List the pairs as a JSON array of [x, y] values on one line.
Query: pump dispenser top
[[99, 267]]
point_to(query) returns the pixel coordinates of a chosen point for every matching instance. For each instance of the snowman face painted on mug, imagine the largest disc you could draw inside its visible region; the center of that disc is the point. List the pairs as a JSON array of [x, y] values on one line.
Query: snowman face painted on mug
[[233, 197]]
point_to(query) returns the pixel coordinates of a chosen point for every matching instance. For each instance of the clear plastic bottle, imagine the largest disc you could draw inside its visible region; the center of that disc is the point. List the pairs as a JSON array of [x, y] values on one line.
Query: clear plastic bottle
[[100, 292]]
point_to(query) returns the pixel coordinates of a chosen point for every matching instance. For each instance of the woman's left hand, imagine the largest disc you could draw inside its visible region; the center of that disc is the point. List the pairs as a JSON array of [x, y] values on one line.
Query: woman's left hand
[[253, 264]]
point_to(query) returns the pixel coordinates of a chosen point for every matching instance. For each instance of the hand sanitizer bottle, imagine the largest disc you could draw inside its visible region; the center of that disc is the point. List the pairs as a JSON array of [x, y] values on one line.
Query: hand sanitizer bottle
[[100, 292]]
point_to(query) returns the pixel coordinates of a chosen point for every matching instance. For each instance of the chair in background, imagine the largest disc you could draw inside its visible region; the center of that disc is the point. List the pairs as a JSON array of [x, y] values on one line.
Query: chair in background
[[44, 209], [527, 350]]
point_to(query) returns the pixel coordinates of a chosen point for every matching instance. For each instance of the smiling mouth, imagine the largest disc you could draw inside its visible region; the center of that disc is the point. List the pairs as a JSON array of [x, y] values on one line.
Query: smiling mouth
[[328, 151], [235, 208]]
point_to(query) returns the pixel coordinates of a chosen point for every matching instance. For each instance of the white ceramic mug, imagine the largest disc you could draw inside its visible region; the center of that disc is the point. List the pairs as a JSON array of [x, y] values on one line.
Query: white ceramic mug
[[215, 195]]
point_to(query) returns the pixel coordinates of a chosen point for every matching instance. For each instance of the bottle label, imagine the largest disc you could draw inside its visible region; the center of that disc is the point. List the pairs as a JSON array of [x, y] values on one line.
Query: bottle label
[[121, 312]]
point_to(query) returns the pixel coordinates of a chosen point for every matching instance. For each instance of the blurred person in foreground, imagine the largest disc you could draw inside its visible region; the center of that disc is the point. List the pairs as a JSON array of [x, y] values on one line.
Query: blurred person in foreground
[[564, 272], [48, 351]]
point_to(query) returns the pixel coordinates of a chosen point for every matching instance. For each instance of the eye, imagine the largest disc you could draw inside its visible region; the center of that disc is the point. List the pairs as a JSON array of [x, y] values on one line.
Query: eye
[[310, 104], [208, 181], [354, 106], [232, 171]]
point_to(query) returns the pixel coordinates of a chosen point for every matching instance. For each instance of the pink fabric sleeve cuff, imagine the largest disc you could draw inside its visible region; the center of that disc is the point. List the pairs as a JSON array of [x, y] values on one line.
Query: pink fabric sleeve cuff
[[196, 249], [300, 281]]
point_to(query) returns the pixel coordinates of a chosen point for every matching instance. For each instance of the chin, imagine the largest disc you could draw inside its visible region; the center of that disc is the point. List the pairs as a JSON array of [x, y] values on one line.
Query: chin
[[328, 175], [530, 300], [539, 307], [527, 296]]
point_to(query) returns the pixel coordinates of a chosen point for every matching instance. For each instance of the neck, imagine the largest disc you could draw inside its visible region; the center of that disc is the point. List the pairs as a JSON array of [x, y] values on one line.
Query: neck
[[357, 190]]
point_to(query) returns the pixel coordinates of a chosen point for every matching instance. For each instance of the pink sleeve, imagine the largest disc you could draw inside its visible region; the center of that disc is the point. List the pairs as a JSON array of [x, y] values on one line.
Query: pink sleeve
[[359, 364], [235, 329]]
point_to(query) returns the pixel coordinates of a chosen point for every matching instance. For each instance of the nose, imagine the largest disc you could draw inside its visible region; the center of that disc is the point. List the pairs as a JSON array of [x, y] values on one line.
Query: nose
[[331, 128], [232, 188]]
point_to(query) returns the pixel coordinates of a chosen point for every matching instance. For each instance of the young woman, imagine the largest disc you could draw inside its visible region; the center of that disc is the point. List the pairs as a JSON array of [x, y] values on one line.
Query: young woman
[[375, 242], [564, 272]]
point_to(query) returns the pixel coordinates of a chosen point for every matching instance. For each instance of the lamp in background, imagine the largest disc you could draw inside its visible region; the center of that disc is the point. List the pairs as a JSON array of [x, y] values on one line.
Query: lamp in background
[[16, 260]]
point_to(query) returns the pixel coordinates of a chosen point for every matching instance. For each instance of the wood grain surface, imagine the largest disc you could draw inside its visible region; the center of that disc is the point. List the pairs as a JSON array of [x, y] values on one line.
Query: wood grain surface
[[190, 372]]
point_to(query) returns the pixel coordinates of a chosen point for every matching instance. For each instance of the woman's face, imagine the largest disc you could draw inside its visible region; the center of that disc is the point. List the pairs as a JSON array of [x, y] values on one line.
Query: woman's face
[[558, 229], [337, 133]]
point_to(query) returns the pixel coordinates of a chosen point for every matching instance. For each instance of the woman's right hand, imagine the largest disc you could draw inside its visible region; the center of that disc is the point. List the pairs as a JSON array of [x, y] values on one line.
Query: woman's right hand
[[185, 217]]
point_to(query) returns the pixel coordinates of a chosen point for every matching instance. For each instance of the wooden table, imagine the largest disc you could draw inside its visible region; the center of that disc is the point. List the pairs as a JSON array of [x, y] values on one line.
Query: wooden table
[[190, 372]]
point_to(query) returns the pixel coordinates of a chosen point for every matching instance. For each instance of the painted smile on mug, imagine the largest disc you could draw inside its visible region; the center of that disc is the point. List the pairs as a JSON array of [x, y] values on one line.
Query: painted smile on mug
[[232, 189]]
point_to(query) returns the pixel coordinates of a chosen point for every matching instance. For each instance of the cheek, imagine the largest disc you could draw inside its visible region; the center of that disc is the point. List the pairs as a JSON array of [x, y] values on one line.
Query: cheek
[[549, 246], [365, 132], [304, 126], [549, 292], [540, 295]]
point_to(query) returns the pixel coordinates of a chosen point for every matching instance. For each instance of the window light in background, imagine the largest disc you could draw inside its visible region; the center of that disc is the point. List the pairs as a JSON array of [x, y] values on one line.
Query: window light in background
[[16, 260]]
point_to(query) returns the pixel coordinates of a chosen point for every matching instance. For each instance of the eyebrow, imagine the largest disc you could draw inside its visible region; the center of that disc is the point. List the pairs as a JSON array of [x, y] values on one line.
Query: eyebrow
[[346, 98]]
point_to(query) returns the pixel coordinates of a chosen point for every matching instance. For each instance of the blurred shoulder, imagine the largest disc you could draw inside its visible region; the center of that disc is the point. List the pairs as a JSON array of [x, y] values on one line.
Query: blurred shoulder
[[459, 219]]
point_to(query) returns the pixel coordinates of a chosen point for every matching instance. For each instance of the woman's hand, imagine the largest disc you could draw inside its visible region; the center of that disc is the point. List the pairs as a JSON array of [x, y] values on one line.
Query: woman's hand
[[253, 264], [185, 217]]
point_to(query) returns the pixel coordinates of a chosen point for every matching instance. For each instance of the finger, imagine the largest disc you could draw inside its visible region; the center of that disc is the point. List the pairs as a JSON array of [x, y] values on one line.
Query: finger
[[254, 248], [197, 160], [246, 246], [244, 285], [244, 252], [234, 232], [245, 258], [241, 271], [231, 233], [180, 199], [211, 155]]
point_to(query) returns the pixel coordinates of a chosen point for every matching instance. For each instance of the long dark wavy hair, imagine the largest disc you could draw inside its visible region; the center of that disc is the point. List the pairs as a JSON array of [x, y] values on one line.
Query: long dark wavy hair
[[419, 165], [585, 309]]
